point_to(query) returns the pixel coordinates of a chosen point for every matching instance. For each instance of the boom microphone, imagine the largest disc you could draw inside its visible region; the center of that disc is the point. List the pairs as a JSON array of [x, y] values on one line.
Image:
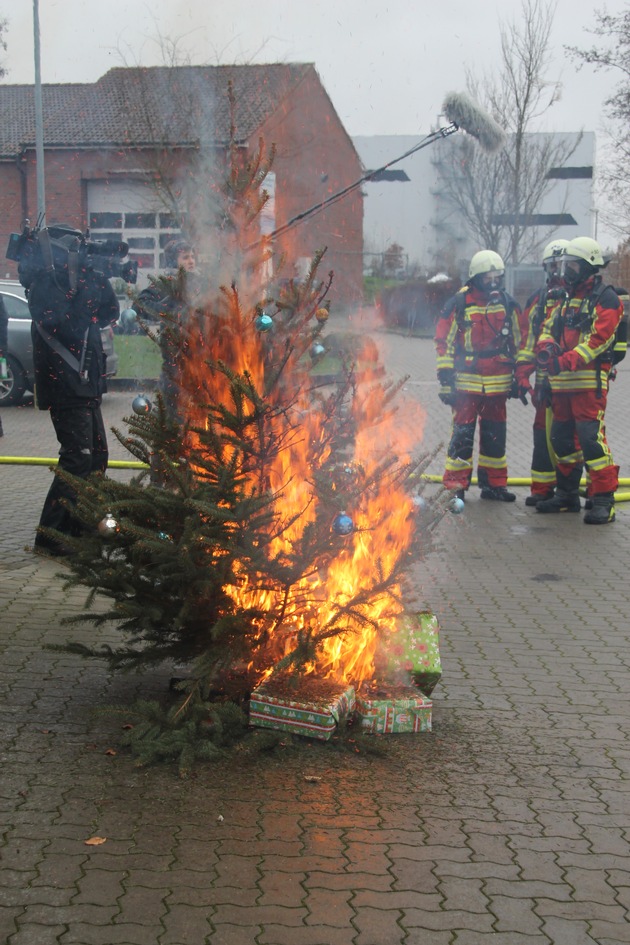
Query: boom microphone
[[462, 113], [467, 115]]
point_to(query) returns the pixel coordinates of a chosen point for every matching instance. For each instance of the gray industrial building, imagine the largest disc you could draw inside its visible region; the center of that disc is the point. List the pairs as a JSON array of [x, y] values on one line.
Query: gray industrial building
[[409, 205]]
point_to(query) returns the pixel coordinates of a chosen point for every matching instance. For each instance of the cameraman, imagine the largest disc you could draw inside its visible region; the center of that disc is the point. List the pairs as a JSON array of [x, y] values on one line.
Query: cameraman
[[69, 305]]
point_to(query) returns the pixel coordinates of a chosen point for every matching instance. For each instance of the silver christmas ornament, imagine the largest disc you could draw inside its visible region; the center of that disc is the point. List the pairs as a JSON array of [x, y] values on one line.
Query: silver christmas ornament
[[141, 404], [108, 526]]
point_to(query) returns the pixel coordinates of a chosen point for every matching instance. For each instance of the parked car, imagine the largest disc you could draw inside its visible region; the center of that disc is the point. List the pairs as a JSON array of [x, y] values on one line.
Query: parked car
[[20, 354]]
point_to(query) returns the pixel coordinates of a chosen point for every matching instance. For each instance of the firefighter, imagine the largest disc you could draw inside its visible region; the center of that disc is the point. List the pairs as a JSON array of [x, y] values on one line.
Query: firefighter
[[576, 349], [538, 307], [477, 337]]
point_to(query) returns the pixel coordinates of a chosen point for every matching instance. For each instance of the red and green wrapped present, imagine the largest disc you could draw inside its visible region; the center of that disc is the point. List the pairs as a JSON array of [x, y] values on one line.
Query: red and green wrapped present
[[412, 651], [308, 706], [392, 710]]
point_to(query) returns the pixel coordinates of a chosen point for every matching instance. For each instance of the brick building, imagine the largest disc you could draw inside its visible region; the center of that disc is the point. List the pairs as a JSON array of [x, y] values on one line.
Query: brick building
[[134, 154]]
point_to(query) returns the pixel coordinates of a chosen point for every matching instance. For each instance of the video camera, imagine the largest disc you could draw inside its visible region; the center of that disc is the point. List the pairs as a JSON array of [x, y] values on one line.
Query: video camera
[[46, 248]]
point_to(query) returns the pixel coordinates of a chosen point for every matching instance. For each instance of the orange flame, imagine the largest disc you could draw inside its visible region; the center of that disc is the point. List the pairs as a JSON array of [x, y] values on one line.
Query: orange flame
[[383, 519]]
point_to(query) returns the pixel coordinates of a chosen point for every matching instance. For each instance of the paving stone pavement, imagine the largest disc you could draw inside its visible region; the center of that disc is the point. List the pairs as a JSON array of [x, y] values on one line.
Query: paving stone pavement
[[507, 824]]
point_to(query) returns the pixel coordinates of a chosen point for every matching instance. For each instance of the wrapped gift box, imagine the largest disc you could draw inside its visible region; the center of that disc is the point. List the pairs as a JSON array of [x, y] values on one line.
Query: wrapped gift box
[[414, 648], [314, 708], [400, 709]]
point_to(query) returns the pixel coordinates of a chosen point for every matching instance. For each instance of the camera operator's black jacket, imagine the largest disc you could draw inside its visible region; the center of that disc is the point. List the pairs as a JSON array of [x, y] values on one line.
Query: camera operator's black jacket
[[74, 320]]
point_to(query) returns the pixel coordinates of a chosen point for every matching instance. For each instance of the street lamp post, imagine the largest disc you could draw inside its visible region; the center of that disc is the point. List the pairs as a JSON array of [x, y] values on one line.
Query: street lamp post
[[39, 123]]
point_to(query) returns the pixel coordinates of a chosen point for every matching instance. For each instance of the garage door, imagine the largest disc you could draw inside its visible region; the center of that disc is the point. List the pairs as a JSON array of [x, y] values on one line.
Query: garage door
[[131, 211]]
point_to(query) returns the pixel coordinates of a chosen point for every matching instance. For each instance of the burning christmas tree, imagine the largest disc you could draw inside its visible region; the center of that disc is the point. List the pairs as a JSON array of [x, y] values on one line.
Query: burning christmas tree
[[275, 529]]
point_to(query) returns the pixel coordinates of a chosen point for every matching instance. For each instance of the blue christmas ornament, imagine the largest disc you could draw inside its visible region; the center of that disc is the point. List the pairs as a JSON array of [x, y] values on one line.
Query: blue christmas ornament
[[263, 322], [456, 505], [128, 319], [420, 503], [343, 524], [163, 536], [317, 349], [141, 404]]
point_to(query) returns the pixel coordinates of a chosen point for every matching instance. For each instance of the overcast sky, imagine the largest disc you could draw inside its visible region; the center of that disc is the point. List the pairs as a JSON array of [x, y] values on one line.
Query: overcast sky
[[385, 65]]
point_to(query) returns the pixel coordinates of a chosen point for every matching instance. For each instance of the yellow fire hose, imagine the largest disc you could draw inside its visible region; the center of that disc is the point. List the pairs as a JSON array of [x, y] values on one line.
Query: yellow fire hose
[[548, 422], [43, 461], [524, 481], [134, 464], [512, 481]]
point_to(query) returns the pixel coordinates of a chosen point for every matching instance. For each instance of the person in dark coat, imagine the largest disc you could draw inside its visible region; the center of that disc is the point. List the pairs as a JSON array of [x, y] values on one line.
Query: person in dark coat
[[165, 304], [69, 365]]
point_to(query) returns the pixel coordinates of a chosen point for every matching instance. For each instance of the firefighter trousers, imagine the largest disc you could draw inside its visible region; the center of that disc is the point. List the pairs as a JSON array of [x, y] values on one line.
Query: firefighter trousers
[[491, 412], [578, 437]]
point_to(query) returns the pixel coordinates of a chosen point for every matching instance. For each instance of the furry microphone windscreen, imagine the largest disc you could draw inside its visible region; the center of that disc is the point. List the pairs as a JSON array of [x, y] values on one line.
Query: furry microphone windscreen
[[467, 115]]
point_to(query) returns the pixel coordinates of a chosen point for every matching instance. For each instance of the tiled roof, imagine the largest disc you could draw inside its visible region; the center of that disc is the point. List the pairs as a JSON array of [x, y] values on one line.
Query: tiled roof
[[135, 106]]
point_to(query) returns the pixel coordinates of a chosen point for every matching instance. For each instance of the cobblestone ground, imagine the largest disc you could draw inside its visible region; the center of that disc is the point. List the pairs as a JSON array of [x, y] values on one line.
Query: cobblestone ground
[[508, 824]]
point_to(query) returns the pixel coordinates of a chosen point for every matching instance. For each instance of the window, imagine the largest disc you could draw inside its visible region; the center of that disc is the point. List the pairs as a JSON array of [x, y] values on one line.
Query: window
[[16, 308], [140, 221], [536, 219], [99, 221], [126, 210], [570, 173]]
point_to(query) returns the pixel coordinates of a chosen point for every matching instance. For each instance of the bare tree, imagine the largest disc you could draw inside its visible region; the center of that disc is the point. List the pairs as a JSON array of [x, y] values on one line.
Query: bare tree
[[614, 53], [161, 113], [498, 196], [3, 44]]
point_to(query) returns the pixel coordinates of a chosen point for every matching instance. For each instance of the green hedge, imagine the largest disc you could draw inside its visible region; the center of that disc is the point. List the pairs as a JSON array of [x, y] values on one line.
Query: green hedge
[[138, 356]]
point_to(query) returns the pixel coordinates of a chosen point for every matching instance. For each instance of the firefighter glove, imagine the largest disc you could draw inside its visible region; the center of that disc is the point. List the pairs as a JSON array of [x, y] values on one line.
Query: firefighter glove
[[446, 377], [447, 396], [570, 361]]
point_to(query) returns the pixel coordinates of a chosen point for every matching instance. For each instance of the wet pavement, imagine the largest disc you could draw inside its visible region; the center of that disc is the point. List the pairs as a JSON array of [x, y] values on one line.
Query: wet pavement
[[509, 823]]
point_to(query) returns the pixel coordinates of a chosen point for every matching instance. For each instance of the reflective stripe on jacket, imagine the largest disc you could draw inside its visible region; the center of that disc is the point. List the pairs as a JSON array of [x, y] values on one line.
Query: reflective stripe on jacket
[[475, 345]]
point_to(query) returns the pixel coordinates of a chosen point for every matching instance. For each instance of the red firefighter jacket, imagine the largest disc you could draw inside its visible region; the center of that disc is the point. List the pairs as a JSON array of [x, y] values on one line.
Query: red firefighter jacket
[[585, 335], [533, 320], [479, 342]]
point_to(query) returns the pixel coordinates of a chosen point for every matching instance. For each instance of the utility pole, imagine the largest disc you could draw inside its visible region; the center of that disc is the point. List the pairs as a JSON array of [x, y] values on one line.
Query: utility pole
[[39, 123]]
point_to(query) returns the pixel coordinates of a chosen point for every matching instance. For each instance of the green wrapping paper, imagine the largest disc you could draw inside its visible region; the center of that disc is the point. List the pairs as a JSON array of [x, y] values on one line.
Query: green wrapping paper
[[302, 715], [402, 709], [413, 650]]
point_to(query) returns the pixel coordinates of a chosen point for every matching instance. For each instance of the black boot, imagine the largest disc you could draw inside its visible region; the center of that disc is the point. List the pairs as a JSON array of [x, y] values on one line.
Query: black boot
[[603, 510], [535, 498], [497, 494], [561, 501]]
